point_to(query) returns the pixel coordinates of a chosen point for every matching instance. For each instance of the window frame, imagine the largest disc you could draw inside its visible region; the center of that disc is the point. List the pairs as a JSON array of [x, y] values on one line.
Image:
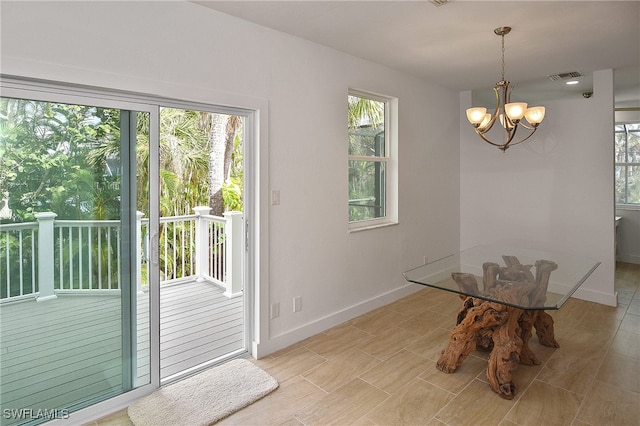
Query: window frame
[[390, 160], [625, 164]]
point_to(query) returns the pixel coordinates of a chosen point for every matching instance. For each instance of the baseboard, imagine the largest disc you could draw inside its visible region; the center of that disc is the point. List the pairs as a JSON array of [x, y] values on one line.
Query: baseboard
[[628, 258], [281, 341], [597, 297]]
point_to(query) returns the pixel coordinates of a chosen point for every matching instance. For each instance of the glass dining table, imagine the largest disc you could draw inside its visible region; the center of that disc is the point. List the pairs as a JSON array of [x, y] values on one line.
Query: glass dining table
[[506, 291]]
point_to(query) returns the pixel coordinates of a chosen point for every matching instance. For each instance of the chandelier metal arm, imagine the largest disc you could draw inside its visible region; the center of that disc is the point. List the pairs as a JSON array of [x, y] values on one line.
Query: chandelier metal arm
[[487, 140], [496, 111], [502, 146], [508, 143], [528, 136], [528, 126]]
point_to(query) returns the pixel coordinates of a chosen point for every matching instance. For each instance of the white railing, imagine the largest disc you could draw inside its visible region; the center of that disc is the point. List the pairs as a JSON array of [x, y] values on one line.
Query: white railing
[[86, 255], [44, 258], [23, 236]]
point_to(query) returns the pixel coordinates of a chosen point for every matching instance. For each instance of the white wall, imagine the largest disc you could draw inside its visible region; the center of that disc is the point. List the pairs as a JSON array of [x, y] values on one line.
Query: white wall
[[555, 190], [181, 50]]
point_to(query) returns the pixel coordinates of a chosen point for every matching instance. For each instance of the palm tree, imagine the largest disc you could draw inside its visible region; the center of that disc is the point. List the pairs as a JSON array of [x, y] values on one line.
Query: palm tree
[[222, 130], [365, 112], [184, 161], [196, 154]]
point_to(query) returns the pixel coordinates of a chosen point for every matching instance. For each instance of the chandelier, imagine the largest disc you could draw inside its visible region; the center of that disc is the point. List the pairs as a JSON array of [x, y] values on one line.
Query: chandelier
[[509, 114]]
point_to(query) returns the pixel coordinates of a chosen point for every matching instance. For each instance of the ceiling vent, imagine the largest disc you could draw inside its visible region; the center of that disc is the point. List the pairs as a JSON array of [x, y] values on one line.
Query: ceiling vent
[[440, 2], [565, 76]]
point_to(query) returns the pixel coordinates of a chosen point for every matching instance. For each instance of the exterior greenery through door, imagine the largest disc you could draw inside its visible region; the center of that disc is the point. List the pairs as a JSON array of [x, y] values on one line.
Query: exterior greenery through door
[[64, 159]]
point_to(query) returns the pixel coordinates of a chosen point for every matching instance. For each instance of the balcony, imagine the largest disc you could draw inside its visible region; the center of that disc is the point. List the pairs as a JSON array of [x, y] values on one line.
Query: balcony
[[61, 307], [51, 257]]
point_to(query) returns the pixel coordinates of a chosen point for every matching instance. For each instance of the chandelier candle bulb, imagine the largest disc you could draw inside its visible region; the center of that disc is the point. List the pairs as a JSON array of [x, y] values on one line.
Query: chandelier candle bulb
[[485, 122], [508, 124], [515, 110], [476, 115], [534, 115]]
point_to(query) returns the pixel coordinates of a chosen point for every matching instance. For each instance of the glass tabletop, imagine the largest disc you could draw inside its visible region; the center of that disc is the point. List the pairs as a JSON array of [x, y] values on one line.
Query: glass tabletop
[[522, 278]]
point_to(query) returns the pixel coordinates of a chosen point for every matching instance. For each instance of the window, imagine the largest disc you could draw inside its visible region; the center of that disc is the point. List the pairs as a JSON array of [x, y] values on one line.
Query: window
[[627, 152], [372, 171]]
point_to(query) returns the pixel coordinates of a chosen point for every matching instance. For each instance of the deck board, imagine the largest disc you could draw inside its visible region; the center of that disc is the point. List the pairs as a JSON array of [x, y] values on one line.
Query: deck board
[[186, 324], [58, 352]]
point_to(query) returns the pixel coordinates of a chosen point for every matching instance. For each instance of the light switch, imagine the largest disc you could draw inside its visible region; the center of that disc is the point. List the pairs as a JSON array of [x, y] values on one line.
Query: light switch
[[275, 197]]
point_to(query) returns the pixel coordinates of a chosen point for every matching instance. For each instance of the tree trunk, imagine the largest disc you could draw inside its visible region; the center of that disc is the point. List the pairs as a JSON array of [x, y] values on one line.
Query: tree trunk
[[217, 143], [233, 125]]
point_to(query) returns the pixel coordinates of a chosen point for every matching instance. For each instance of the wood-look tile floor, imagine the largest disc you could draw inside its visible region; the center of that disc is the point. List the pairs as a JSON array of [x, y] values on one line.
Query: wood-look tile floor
[[379, 369]]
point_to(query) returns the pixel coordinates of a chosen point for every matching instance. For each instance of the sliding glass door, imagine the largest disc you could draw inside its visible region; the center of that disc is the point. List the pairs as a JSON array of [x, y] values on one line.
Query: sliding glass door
[[122, 245], [74, 225]]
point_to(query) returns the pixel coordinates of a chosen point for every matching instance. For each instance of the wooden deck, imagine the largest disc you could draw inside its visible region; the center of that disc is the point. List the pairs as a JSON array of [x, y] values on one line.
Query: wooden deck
[[59, 352], [197, 324]]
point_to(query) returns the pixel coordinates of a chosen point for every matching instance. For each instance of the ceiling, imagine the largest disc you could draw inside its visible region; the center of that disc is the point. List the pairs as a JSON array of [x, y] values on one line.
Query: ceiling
[[453, 44]]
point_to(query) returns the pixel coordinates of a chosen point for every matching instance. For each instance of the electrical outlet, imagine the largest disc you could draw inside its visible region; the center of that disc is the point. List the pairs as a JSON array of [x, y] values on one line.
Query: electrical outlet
[[297, 304], [275, 310]]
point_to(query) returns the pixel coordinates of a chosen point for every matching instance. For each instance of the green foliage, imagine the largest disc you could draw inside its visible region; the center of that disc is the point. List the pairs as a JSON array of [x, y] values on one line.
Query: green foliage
[[627, 158], [232, 190], [232, 195], [364, 112], [45, 164], [184, 161], [176, 261], [67, 159]]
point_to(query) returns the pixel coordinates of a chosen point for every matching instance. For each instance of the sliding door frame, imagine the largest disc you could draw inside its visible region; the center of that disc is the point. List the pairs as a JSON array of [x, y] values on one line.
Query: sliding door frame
[[256, 176]]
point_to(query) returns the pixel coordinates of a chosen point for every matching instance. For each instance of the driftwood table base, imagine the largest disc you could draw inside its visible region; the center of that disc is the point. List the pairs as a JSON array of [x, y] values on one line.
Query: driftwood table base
[[493, 326], [503, 330]]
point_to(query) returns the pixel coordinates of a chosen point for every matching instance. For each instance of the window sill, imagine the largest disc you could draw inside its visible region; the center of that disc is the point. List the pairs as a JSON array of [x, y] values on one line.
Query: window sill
[[627, 206], [372, 226]]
